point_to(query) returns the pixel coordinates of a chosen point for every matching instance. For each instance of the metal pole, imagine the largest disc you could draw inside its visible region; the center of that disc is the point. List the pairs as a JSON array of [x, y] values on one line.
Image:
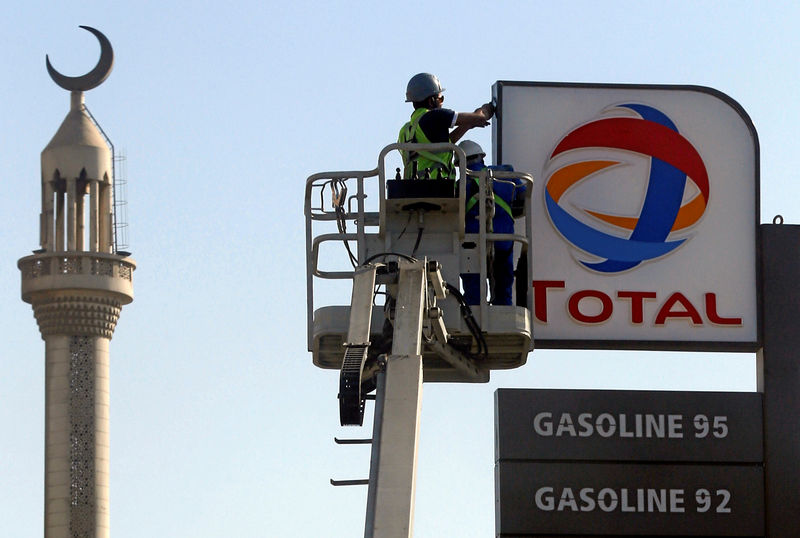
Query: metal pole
[[779, 377], [393, 469]]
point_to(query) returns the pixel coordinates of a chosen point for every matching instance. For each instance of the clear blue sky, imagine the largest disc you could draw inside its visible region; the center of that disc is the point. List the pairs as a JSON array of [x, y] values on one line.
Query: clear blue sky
[[221, 425]]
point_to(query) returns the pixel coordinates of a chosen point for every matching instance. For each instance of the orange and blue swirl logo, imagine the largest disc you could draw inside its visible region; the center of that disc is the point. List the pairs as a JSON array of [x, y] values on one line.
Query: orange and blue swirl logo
[[621, 242]]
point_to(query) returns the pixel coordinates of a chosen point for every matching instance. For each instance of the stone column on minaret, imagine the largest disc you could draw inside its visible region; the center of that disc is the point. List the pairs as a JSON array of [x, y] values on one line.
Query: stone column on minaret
[[77, 283]]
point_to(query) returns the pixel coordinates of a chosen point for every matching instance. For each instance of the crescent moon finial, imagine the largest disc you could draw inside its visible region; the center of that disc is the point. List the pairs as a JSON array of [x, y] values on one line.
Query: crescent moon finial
[[93, 78]]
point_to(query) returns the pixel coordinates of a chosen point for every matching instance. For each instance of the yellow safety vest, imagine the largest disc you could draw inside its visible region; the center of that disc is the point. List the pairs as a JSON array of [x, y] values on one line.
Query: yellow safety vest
[[440, 164]]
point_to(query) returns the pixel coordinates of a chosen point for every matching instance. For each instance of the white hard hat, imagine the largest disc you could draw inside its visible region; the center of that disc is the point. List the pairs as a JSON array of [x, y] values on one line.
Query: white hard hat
[[421, 86], [472, 149]]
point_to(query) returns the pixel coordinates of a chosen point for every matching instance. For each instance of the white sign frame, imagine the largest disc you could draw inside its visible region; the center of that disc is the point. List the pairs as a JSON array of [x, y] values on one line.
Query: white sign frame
[[703, 293]]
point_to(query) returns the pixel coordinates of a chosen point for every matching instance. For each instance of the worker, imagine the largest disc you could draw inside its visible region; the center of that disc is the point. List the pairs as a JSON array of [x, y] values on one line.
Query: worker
[[430, 124], [508, 197]]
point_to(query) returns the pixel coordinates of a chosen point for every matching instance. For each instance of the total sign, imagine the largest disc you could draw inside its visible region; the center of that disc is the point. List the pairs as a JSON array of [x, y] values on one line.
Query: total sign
[[645, 213]]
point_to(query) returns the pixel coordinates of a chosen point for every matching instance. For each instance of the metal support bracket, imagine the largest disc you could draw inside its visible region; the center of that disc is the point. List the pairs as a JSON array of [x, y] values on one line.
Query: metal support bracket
[[357, 482], [352, 441]]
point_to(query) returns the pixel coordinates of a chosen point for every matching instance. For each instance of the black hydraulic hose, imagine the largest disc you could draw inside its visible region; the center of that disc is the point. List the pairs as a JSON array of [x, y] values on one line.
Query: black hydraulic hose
[[469, 319], [416, 244]]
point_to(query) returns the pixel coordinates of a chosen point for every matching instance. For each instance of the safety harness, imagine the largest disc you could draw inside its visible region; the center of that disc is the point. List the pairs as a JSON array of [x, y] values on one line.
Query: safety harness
[[497, 200]]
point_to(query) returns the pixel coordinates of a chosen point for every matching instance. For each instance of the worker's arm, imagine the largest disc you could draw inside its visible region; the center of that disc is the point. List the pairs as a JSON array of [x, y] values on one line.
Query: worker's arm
[[467, 120]]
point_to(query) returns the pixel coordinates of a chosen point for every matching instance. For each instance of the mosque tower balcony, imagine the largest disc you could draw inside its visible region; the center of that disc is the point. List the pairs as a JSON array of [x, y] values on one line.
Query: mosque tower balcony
[[77, 256]]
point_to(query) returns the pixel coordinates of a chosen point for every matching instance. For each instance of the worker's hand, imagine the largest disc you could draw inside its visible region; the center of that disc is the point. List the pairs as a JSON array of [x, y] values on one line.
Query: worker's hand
[[487, 109], [467, 120]]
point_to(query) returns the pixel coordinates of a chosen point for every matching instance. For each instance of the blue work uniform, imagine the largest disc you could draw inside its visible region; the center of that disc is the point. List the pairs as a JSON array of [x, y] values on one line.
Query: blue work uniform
[[506, 192]]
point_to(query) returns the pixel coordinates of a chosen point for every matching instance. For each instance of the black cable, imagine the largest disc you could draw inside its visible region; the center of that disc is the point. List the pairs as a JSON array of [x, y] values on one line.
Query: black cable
[[338, 197], [399, 255], [416, 243], [406, 226], [469, 319]]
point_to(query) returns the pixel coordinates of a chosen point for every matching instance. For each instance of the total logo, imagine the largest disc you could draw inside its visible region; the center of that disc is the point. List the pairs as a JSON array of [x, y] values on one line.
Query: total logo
[[614, 239]]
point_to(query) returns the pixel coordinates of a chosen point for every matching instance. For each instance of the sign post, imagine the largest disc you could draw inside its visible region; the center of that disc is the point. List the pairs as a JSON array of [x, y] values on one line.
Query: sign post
[[780, 377]]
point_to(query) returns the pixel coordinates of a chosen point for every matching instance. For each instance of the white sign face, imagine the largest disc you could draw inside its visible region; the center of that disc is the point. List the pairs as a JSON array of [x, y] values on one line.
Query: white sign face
[[645, 213]]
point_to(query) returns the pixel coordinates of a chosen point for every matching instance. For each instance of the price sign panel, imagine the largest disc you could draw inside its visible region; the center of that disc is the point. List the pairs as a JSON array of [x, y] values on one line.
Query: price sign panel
[[629, 499], [629, 425]]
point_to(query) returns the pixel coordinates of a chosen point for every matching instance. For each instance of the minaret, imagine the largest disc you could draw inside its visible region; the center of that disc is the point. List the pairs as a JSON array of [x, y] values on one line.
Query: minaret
[[77, 284]]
